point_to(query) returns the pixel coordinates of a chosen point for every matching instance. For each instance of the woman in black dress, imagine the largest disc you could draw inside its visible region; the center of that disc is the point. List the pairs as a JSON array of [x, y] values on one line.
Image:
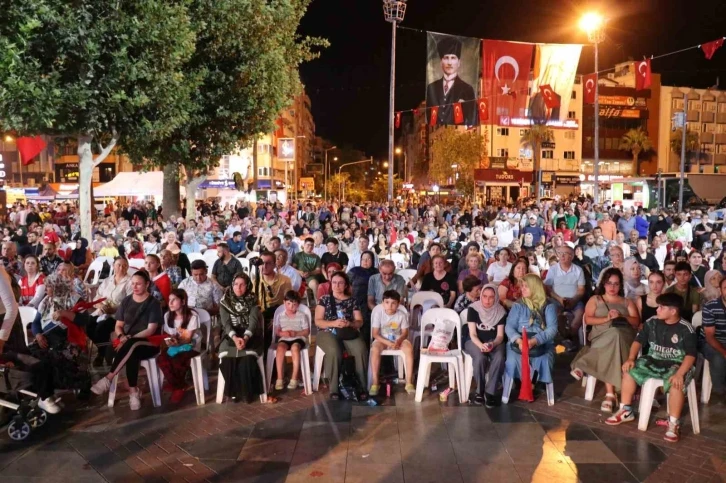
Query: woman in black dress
[[441, 281], [646, 303]]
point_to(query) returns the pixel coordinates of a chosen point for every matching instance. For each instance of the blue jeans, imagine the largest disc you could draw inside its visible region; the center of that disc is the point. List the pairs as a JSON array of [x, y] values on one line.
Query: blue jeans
[[717, 366]]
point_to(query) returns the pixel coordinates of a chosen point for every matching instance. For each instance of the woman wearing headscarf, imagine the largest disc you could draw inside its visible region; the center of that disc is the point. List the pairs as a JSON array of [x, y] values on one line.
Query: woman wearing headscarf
[[81, 257], [359, 277], [632, 274], [483, 341], [538, 315], [242, 343], [711, 284]]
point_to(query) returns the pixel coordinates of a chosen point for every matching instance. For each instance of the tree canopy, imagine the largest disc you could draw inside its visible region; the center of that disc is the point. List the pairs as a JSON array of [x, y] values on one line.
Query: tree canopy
[[464, 150]]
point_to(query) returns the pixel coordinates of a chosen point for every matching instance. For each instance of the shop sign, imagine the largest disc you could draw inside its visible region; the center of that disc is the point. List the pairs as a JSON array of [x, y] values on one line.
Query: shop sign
[[547, 176], [623, 101], [616, 112], [568, 180], [307, 184], [218, 183], [7, 158], [503, 176], [548, 145], [264, 184], [498, 163]]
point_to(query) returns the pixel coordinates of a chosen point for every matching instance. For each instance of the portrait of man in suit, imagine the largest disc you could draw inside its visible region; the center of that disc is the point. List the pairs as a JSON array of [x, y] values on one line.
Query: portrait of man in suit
[[450, 88]]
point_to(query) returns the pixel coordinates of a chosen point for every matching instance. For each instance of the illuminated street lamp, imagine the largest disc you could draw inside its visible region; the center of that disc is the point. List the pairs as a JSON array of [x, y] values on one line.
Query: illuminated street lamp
[[435, 189], [326, 175], [394, 11], [594, 25]]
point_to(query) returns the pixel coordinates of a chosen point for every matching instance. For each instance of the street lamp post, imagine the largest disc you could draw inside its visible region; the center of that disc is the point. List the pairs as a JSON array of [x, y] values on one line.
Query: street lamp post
[[394, 11], [341, 187], [594, 25], [326, 174], [405, 164]]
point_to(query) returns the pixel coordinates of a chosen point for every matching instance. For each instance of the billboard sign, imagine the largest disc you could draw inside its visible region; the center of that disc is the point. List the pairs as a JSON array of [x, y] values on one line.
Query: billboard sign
[[286, 149]]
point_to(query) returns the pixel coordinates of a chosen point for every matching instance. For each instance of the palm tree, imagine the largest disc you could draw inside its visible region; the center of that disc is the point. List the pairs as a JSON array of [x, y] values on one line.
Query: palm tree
[[677, 142], [534, 137], [636, 141]]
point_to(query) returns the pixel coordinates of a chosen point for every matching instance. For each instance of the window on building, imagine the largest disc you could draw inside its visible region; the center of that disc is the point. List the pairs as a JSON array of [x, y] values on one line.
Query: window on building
[[709, 127], [709, 106], [677, 103], [523, 132], [503, 131], [503, 153], [609, 143], [548, 154], [694, 105], [574, 95], [570, 134], [693, 126], [569, 154], [571, 115]]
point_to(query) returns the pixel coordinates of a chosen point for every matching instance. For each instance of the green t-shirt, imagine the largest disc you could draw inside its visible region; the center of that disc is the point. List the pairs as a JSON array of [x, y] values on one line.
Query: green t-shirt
[[306, 263]]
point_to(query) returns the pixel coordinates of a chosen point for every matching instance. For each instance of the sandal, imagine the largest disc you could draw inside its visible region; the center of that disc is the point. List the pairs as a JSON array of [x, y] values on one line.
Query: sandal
[[577, 374], [609, 402], [270, 400]]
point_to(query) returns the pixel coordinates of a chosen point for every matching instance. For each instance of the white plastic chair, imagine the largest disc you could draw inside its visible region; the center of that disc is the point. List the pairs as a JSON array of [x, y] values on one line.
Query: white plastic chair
[[468, 373], [245, 265], [200, 375], [647, 394], [426, 300], [221, 382], [209, 257], [407, 273], [399, 260], [252, 255], [706, 383], [96, 266], [194, 256], [137, 263], [318, 367], [403, 369], [304, 354], [27, 316], [154, 378], [509, 382], [451, 357]]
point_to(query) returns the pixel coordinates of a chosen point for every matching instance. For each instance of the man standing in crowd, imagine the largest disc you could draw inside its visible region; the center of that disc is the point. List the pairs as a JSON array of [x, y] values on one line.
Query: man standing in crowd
[[608, 227]]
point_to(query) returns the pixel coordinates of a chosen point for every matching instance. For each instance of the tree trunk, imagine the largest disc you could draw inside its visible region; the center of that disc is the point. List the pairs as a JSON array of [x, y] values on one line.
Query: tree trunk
[[254, 167], [85, 178], [537, 172], [170, 202], [191, 186]]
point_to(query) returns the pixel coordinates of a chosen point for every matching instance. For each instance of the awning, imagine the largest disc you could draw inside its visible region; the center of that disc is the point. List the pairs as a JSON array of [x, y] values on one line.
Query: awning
[[133, 184]]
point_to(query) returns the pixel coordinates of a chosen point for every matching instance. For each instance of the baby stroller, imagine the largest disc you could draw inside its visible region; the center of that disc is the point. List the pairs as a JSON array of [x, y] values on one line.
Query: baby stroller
[[19, 409]]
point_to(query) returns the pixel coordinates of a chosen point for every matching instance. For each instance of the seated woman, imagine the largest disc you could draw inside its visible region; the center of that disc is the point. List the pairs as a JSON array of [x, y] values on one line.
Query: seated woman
[[440, 281], [51, 344], [538, 315], [632, 274], [324, 288], [181, 325], [137, 318], [243, 341], [160, 281], [510, 290], [339, 318], [32, 285], [615, 320], [711, 284], [471, 291], [473, 264], [646, 304], [500, 268], [483, 341], [81, 256]]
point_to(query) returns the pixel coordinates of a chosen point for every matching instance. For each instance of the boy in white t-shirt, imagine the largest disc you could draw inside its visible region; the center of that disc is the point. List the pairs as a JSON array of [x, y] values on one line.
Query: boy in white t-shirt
[[389, 324], [292, 330]]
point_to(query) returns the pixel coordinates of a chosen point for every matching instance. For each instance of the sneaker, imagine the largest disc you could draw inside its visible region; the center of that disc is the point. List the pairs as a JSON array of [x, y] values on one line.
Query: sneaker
[[279, 385], [374, 390], [135, 400], [176, 396], [49, 406], [101, 387], [292, 384], [477, 400], [410, 389], [491, 401], [672, 435], [622, 416]]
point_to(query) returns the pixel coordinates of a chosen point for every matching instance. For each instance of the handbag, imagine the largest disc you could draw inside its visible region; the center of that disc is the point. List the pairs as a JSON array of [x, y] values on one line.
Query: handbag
[[345, 333], [617, 321]]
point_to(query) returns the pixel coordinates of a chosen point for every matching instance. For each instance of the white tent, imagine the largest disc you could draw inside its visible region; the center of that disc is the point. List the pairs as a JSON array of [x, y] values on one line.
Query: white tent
[[133, 184]]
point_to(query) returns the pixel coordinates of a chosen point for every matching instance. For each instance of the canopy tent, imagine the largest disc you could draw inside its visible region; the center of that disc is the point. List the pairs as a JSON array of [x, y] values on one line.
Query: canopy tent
[[133, 184]]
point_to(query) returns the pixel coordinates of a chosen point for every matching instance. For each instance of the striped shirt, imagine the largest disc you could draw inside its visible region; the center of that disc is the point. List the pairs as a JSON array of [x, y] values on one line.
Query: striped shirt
[[714, 315]]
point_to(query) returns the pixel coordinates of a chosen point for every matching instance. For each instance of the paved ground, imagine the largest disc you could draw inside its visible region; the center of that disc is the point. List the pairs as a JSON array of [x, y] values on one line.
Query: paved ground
[[312, 439]]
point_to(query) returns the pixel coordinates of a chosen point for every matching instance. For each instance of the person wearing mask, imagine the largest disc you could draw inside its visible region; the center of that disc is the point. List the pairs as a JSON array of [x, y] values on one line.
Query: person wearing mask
[[689, 294], [225, 267], [201, 292]]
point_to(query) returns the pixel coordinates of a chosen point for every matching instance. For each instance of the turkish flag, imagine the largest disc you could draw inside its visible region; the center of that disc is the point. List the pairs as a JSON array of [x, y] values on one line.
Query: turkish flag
[[30, 148], [483, 110], [505, 72], [710, 48], [397, 120], [589, 82], [458, 113], [434, 116], [525, 390], [642, 75], [550, 97]]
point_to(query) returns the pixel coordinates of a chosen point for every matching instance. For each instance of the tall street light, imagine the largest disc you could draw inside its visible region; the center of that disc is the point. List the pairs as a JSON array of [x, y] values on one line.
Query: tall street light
[[594, 25], [394, 11], [326, 176]]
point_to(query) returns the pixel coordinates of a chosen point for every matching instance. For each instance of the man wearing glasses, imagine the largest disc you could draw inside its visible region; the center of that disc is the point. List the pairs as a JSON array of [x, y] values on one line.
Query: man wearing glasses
[[383, 281], [273, 287], [565, 282]]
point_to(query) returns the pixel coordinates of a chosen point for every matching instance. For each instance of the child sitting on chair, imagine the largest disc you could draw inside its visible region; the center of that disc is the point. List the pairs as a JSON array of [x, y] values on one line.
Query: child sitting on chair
[[671, 357], [292, 331], [389, 323]]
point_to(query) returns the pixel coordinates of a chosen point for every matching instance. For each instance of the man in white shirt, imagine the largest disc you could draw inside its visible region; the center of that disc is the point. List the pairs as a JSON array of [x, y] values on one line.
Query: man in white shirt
[[201, 292], [284, 268], [565, 283]]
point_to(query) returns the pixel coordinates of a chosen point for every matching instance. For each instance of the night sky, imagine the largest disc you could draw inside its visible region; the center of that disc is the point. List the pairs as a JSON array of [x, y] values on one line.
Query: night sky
[[348, 84]]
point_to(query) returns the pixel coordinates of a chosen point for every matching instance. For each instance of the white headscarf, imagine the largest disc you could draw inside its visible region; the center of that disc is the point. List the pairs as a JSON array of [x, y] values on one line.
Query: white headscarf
[[489, 317]]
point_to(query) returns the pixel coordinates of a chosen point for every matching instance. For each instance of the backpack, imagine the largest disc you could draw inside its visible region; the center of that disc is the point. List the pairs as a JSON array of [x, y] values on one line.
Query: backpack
[[349, 385]]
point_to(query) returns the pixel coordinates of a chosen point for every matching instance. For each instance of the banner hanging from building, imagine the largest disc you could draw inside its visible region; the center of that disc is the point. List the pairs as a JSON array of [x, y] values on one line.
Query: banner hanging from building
[[555, 67], [505, 75], [452, 79]]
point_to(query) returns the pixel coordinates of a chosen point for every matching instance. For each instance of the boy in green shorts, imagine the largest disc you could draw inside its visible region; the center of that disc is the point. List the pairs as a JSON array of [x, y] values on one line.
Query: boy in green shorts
[[671, 356]]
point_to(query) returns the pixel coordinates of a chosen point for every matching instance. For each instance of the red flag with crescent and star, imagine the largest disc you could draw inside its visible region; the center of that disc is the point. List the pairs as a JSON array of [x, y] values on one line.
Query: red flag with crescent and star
[[642, 75], [483, 107], [589, 82], [458, 113], [397, 120], [710, 48], [505, 72], [551, 99], [434, 116]]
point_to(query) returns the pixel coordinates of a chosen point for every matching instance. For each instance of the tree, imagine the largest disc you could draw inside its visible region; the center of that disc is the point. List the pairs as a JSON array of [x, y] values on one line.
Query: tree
[[636, 141], [534, 137], [379, 189], [463, 149], [676, 142], [246, 58], [338, 183], [96, 71]]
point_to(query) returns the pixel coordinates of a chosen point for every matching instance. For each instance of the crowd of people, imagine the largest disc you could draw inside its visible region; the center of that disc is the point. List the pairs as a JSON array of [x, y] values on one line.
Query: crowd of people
[[618, 287]]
